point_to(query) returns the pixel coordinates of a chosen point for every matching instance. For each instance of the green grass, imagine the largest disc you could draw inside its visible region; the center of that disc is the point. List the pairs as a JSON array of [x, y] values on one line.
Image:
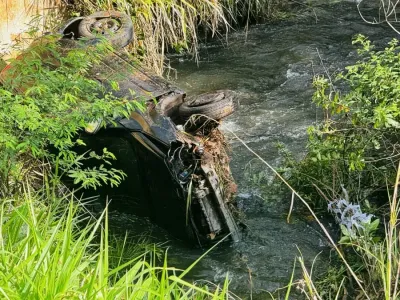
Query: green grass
[[51, 249]]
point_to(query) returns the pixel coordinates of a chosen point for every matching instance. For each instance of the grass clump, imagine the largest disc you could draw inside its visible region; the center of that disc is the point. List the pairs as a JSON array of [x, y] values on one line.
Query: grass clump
[[51, 249], [373, 257], [161, 25]]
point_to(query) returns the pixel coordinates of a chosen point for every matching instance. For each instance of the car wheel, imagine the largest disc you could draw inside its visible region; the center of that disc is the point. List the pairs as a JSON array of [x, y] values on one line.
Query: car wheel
[[216, 105], [115, 26]]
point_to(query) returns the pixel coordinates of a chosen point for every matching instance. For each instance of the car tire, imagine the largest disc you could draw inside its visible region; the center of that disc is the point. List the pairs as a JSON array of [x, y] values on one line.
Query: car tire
[[119, 31], [215, 105]]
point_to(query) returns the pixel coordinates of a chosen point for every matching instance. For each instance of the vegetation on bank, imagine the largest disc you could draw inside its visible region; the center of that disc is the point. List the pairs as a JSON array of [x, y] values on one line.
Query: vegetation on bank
[[353, 158], [161, 25], [353, 170], [46, 99], [51, 247], [356, 143]]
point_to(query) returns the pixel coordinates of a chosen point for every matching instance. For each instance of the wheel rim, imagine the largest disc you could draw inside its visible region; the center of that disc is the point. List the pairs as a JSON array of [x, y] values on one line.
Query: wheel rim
[[115, 26], [105, 26]]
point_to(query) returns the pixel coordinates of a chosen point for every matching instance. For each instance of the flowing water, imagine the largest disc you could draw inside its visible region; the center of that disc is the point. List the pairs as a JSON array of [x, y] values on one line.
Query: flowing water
[[271, 67]]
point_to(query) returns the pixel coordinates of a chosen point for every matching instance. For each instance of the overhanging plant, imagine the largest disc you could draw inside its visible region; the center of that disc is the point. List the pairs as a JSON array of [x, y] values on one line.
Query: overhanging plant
[[46, 99]]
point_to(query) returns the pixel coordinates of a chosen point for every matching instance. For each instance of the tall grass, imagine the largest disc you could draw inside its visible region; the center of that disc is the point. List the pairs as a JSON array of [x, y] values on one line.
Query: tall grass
[[164, 24], [51, 250]]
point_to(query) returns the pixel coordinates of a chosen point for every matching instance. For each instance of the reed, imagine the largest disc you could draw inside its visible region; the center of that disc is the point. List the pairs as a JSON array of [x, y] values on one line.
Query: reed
[[54, 251], [161, 25]]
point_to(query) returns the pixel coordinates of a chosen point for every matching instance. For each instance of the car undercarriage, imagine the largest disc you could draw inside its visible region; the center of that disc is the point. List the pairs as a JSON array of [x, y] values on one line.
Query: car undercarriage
[[173, 152]]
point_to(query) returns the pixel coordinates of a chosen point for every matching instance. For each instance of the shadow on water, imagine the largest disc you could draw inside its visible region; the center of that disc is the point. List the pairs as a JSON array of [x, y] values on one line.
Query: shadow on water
[[271, 67]]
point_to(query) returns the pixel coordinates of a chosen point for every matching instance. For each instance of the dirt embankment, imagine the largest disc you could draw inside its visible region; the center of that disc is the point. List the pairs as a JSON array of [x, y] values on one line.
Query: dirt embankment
[[17, 17]]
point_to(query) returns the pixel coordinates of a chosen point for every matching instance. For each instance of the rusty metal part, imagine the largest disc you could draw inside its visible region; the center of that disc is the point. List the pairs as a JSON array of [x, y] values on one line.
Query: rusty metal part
[[212, 191], [212, 178]]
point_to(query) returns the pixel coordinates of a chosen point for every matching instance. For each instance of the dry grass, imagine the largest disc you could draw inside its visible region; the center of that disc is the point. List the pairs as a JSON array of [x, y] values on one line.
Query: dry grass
[[164, 24]]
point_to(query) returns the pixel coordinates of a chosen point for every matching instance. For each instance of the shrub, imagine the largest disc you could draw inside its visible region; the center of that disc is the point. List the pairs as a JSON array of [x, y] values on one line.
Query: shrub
[[356, 145], [352, 155], [47, 98]]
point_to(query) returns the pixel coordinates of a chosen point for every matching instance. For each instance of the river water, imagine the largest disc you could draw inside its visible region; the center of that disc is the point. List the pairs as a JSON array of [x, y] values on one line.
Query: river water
[[271, 67]]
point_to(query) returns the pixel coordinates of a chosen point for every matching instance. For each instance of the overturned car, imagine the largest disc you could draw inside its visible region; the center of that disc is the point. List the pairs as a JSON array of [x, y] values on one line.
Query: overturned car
[[173, 153]]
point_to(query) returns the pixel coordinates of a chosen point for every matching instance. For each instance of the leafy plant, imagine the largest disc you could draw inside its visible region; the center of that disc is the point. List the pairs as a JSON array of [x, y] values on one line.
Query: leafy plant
[[47, 99], [356, 144], [354, 154]]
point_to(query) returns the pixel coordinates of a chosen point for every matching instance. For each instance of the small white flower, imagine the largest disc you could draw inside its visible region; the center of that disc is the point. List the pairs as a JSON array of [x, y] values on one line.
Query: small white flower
[[342, 204], [348, 214]]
